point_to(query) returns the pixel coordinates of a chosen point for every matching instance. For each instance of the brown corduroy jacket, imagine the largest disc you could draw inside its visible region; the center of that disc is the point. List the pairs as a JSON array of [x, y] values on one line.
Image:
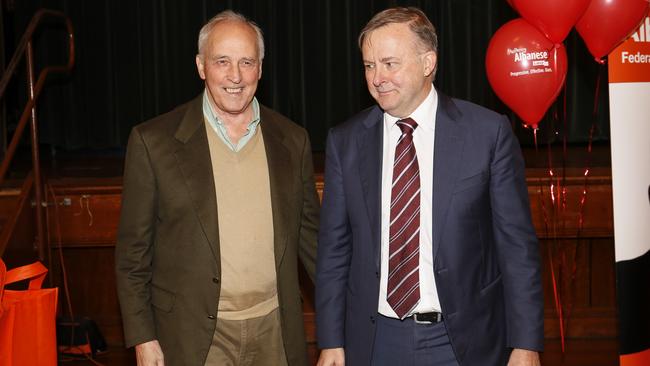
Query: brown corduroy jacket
[[167, 254]]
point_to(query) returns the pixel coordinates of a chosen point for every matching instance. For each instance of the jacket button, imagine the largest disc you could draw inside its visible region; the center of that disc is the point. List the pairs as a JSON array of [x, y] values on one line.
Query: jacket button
[[210, 316], [215, 279], [372, 319], [377, 274]]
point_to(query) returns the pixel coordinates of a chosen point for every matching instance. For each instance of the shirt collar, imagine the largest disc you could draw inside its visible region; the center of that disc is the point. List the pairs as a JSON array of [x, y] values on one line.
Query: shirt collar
[[424, 114], [213, 118]]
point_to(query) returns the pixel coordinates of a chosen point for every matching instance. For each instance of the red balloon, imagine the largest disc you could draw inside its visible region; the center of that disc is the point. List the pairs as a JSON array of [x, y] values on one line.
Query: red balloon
[[512, 4], [607, 23], [554, 18], [525, 69]]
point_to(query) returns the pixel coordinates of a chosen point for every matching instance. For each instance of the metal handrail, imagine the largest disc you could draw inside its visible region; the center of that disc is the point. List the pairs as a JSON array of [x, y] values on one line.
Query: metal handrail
[[27, 38], [34, 91]]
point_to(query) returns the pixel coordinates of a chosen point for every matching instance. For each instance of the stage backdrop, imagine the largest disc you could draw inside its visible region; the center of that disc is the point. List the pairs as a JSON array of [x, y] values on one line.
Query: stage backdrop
[[135, 59], [629, 98]]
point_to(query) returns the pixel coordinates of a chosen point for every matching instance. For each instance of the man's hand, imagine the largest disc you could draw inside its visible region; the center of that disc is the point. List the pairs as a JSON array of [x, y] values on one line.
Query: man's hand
[[522, 357], [149, 354], [331, 357]]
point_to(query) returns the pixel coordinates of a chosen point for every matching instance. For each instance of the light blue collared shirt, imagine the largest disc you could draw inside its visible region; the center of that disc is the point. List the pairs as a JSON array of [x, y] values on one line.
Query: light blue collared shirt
[[220, 128]]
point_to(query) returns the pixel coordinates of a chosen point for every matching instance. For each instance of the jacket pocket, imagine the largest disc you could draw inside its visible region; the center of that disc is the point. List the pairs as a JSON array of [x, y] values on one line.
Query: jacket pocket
[[162, 299], [490, 286]]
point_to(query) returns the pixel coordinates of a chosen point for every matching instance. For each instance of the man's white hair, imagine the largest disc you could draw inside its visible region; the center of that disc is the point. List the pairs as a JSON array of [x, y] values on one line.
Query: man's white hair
[[229, 15]]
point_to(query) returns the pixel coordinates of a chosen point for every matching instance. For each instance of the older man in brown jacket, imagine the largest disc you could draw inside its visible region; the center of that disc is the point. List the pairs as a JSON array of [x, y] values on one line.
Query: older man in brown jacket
[[218, 205]]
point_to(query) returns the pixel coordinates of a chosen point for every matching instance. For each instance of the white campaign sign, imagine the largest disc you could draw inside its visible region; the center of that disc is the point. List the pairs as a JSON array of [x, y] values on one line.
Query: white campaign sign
[[630, 141]]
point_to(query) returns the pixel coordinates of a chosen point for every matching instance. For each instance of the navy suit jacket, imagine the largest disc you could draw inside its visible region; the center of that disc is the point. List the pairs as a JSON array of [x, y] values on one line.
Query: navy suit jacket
[[486, 255]]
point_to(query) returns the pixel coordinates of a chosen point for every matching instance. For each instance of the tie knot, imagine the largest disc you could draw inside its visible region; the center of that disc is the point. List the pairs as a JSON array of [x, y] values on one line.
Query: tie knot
[[407, 125]]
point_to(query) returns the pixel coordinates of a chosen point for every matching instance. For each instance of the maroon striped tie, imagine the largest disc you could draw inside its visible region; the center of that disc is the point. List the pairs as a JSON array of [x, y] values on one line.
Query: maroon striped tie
[[403, 292]]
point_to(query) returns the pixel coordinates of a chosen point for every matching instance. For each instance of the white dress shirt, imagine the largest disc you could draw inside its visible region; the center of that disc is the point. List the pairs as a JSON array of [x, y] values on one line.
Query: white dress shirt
[[423, 137]]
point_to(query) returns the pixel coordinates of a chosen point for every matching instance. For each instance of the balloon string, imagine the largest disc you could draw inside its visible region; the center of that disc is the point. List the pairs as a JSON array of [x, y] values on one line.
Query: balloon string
[[587, 170], [565, 128], [572, 269], [556, 295], [597, 93], [553, 218], [592, 129], [558, 77], [569, 297], [550, 222], [551, 175], [550, 246]]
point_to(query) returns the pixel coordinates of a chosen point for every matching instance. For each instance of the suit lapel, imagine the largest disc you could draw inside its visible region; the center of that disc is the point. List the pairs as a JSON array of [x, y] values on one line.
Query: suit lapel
[[370, 147], [448, 148], [280, 179], [193, 159]]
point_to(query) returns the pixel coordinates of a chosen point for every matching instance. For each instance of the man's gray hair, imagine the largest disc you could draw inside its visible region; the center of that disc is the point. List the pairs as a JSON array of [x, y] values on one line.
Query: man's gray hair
[[229, 15], [417, 21]]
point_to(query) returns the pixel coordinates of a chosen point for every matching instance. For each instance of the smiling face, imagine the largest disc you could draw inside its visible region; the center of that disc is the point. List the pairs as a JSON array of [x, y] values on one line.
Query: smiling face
[[231, 67], [399, 71]]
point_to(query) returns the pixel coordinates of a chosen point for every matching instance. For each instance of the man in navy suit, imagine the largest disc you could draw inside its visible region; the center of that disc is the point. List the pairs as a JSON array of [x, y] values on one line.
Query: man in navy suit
[[427, 254]]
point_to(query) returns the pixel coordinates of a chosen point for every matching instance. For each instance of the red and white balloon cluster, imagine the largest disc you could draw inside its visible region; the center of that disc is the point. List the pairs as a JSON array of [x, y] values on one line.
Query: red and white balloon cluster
[[526, 60]]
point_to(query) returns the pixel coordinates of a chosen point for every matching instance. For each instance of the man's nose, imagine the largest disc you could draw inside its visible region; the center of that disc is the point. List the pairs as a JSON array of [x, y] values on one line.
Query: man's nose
[[377, 77], [235, 74]]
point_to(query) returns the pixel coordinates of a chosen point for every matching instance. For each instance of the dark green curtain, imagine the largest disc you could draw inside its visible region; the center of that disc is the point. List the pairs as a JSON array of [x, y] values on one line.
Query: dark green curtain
[[135, 60]]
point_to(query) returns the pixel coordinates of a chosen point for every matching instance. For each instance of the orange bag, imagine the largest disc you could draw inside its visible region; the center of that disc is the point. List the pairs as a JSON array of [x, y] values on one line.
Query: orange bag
[[27, 318]]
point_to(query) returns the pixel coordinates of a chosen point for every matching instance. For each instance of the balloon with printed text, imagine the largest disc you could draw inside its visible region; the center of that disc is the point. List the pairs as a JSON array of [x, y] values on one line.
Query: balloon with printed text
[[554, 18], [607, 23], [525, 69]]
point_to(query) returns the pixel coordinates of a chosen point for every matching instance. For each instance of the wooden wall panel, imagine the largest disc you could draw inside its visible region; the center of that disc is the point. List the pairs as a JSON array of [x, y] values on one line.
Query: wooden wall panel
[[83, 223], [91, 282], [571, 207], [582, 253], [603, 276], [8, 197], [573, 217], [84, 216], [18, 235], [585, 287]]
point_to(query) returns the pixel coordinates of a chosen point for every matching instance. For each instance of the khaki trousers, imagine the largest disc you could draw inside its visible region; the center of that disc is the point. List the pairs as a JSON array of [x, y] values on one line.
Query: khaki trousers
[[256, 341]]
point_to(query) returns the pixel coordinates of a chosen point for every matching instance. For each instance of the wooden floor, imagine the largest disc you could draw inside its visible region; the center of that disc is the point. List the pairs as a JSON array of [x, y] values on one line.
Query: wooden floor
[[593, 352]]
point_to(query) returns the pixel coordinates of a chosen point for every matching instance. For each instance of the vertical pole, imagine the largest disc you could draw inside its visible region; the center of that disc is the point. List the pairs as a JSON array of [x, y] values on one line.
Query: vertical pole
[[3, 115], [38, 188]]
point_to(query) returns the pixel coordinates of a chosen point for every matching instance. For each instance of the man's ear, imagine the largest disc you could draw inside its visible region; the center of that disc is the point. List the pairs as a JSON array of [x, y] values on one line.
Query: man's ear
[[200, 67], [430, 61]]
